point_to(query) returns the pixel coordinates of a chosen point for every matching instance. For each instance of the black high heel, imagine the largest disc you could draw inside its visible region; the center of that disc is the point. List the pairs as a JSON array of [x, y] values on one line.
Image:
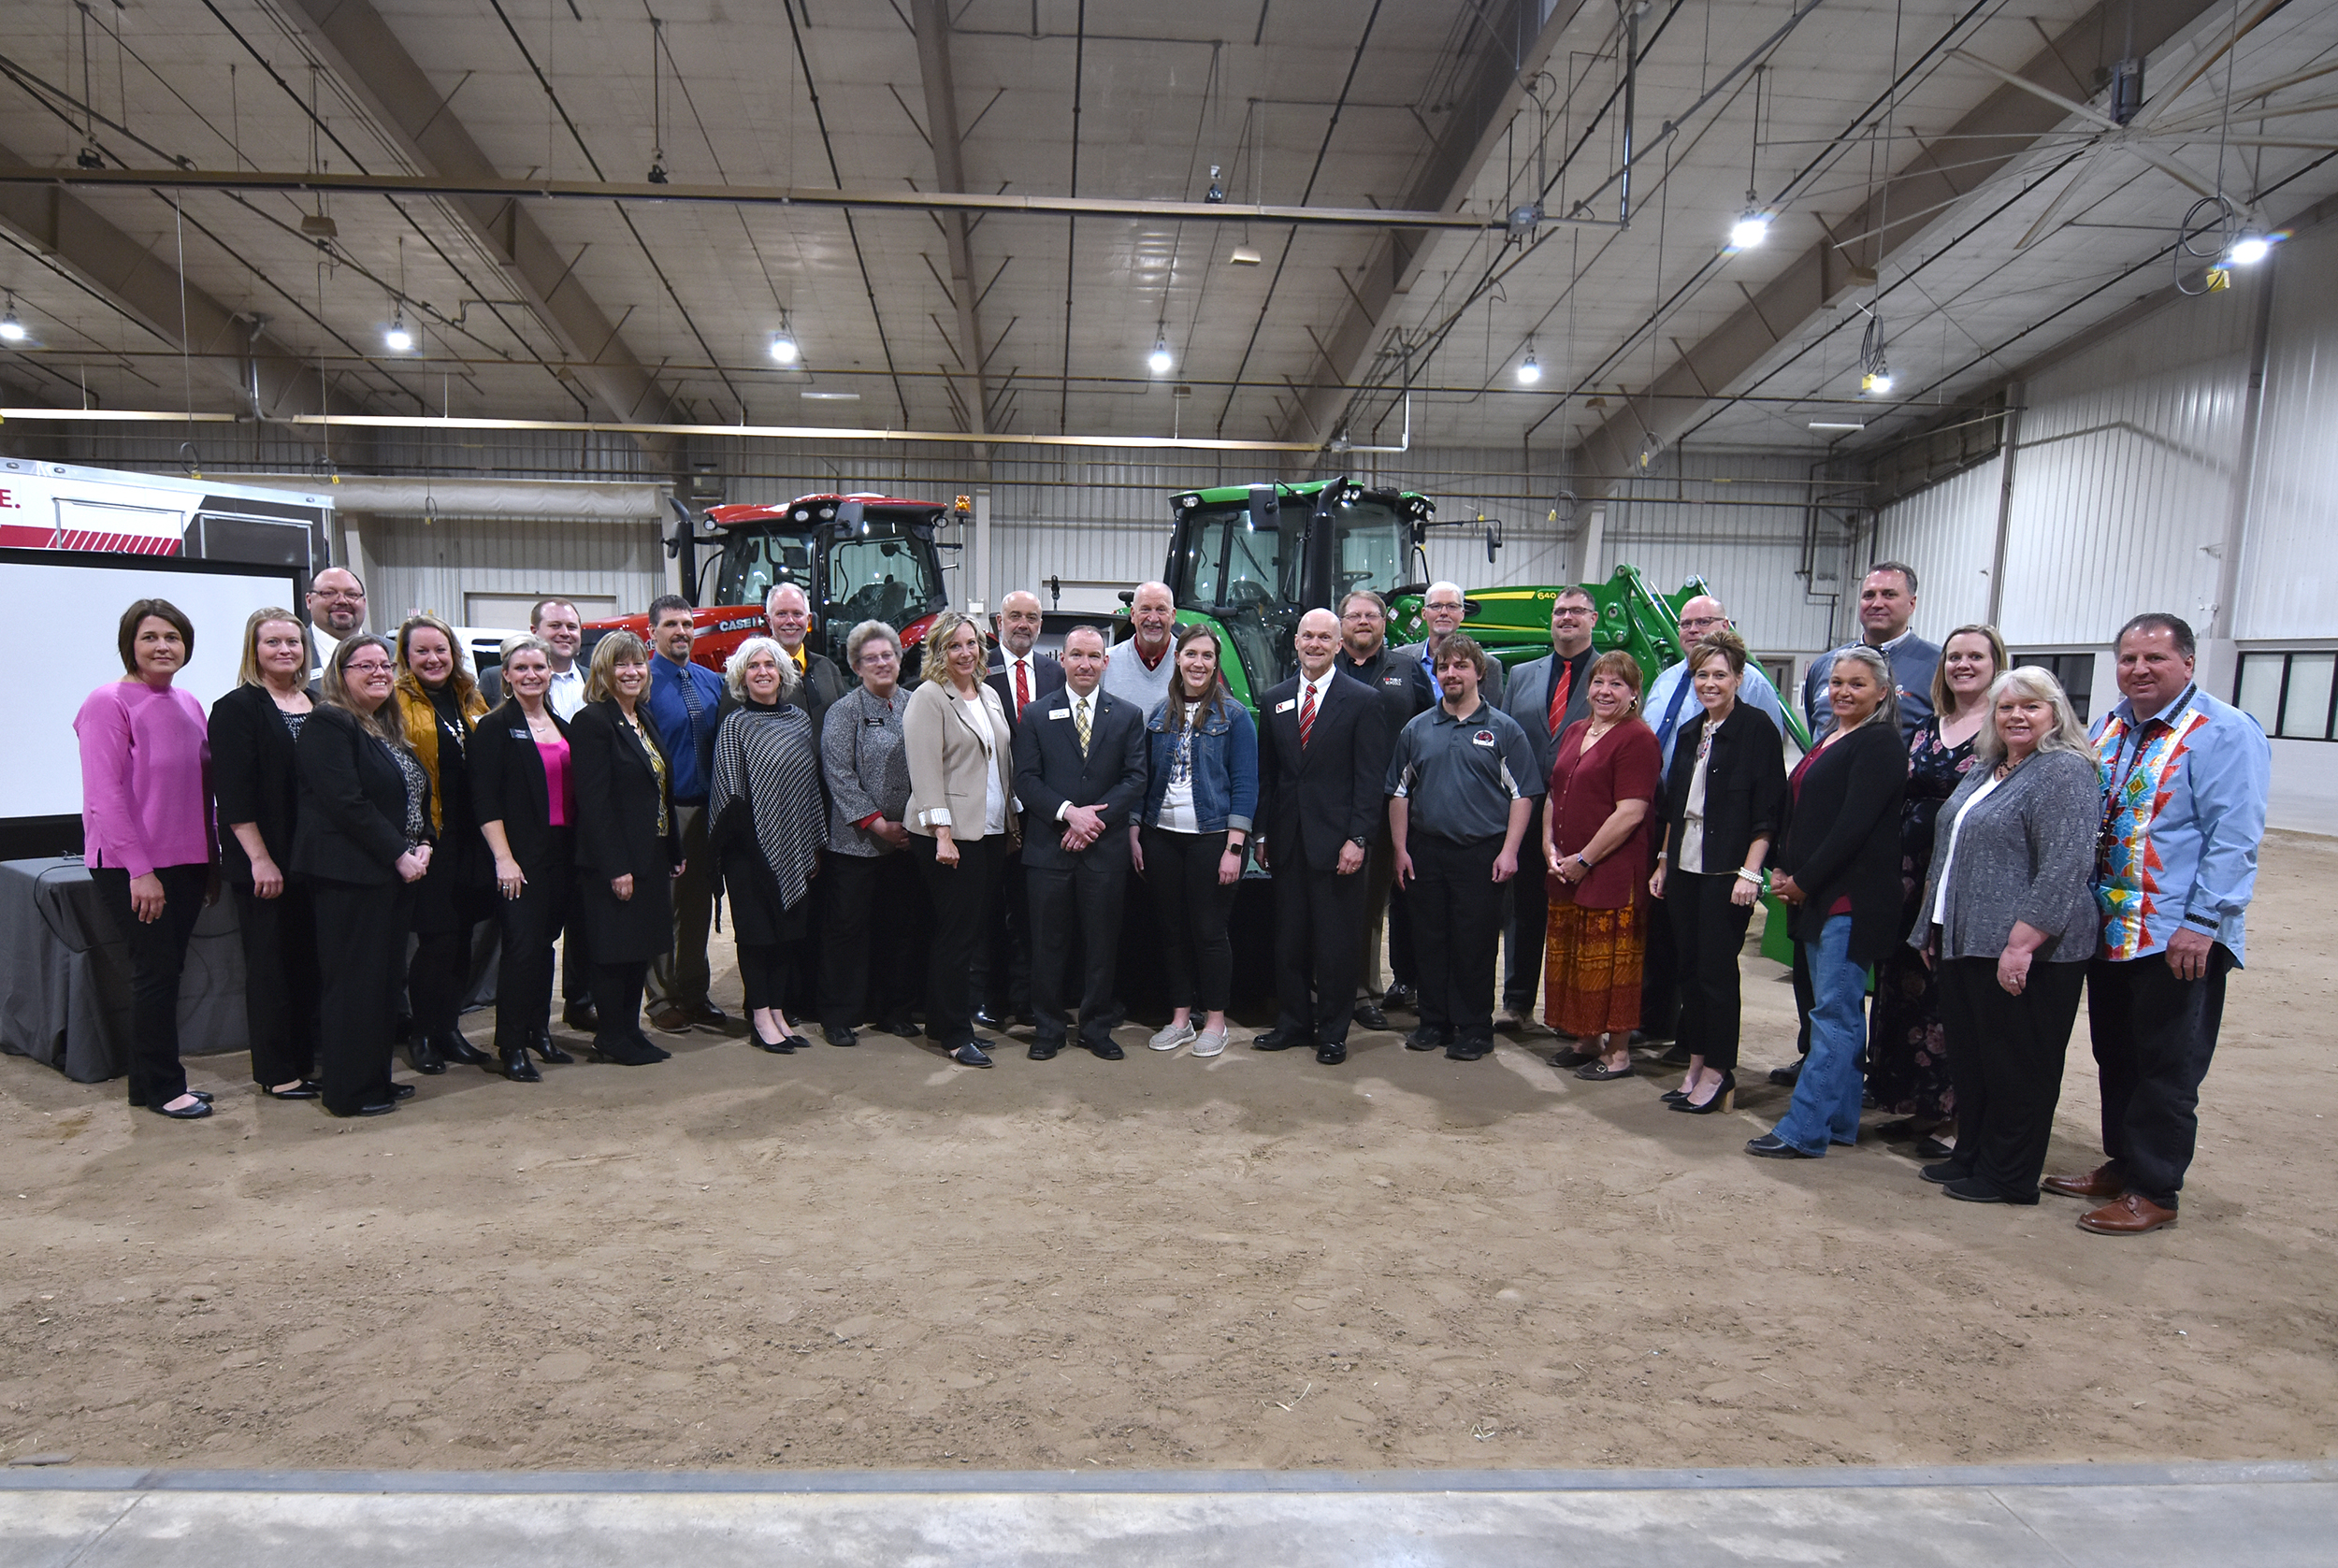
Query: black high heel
[[541, 1042], [1725, 1098]]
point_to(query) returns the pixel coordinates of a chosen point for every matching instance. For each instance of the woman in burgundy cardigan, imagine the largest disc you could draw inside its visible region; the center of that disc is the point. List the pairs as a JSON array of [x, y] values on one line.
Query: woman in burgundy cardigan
[[1604, 781]]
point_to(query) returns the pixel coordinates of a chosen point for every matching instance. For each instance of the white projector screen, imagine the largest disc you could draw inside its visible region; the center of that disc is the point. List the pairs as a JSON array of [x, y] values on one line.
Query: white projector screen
[[59, 617]]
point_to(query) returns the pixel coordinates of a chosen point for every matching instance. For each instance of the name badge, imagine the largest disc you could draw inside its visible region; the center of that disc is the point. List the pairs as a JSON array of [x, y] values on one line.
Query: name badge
[[874, 724], [1286, 705], [1483, 738], [522, 735], [1059, 712]]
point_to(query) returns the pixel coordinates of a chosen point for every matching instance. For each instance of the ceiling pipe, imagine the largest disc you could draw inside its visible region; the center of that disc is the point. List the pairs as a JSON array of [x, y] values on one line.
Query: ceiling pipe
[[799, 433], [535, 499]]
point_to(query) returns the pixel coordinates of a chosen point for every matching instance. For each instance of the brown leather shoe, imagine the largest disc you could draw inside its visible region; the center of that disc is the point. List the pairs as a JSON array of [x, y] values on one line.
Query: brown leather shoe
[[2131, 1215], [2098, 1183], [669, 1020]]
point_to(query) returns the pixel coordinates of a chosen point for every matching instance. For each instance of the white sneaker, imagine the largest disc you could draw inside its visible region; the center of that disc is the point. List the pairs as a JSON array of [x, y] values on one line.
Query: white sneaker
[[1211, 1043], [1173, 1037]]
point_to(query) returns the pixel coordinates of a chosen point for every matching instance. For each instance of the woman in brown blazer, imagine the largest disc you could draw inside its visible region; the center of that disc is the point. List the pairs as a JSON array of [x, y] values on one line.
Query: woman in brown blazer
[[961, 818]]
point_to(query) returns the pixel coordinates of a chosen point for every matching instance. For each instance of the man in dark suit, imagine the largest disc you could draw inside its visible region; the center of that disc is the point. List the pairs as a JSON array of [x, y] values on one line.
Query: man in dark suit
[[1544, 696], [1079, 773], [788, 613], [1366, 655], [1022, 676], [1322, 753]]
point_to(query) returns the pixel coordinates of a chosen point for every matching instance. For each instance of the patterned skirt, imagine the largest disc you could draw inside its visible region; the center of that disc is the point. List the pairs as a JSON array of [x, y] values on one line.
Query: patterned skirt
[[1592, 970]]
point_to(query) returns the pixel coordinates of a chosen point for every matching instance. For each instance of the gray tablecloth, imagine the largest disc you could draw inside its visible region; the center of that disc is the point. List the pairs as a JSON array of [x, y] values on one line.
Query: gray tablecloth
[[64, 975]]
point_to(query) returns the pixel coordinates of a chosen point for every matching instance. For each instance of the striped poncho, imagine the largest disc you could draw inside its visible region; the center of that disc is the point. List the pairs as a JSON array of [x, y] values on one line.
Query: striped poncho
[[767, 767]]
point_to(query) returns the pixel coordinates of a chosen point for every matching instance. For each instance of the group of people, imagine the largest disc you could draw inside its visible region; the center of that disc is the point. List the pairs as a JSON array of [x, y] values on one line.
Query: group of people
[[951, 851]]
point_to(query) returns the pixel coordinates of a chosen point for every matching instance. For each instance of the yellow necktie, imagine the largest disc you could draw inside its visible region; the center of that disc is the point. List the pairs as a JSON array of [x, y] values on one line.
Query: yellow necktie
[[1079, 723]]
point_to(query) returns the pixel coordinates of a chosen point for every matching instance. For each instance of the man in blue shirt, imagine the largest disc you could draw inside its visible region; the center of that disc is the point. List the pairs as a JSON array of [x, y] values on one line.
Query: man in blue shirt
[[1887, 602], [685, 702], [2185, 779]]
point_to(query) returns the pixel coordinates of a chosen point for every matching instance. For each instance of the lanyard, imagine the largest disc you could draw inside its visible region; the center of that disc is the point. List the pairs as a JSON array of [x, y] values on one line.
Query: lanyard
[[2145, 732]]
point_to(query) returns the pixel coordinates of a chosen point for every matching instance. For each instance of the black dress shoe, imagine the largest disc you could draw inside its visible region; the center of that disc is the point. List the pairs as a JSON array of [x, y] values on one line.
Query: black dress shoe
[[1400, 996], [706, 1015], [903, 1029], [1426, 1039], [1105, 1050], [836, 1034], [970, 1055], [423, 1058], [1368, 1014], [582, 1017], [308, 1088], [1787, 1077], [1042, 1050], [987, 1019], [1332, 1054], [515, 1066], [379, 1108], [1770, 1146], [626, 1051], [540, 1041], [401, 1091], [450, 1045], [1281, 1040], [194, 1113], [1468, 1050], [1972, 1189], [1945, 1172]]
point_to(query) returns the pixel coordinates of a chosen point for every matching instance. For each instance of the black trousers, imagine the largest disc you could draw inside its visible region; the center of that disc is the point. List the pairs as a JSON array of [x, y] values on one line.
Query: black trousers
[[280, 983], [1181, 871], [2154, 1036], [1003, 959], [870, 967], [1705, 932], [617, 999], [2005, 1056], [774, 975], [1526, 931], [1457, 913], [361, 935], [961, 908], [158, 955], [530, 924], [1319, 917], [576, 956], [437, 977], [1083, 900]]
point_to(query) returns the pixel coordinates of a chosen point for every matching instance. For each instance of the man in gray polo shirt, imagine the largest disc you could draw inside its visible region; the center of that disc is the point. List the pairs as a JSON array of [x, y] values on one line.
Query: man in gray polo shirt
[[1461, 787]]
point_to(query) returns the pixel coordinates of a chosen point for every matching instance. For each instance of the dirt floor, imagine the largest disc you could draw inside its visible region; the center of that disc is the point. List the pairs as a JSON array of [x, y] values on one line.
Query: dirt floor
[[871, 1257]]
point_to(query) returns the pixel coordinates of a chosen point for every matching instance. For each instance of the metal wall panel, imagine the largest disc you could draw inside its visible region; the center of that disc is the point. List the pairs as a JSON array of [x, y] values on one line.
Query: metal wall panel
[[418, 567], [2123, 480], [1948, 533], [2288, 576]]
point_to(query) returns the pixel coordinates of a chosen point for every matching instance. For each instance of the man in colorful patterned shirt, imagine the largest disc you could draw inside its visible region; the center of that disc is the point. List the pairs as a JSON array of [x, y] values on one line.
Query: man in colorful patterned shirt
[[2185, 779]]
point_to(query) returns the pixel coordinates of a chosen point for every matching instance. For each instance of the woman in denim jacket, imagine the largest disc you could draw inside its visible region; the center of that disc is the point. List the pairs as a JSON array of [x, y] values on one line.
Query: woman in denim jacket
[[1201, 790]]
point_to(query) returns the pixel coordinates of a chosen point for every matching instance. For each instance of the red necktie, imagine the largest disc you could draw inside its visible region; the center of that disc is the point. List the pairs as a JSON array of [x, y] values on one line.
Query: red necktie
[[1559, 689], [1023, 688], [1306, 715]]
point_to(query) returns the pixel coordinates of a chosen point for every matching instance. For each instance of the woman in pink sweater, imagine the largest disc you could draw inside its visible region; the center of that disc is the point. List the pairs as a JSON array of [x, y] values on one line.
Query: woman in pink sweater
[[146, 829]]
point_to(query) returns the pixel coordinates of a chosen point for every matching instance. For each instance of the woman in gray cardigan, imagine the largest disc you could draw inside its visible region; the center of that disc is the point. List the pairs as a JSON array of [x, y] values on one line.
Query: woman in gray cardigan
[[2009, 917], [873, 892]]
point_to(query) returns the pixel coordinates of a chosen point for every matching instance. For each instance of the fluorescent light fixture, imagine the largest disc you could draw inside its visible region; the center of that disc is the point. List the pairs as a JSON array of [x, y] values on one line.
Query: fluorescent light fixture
[[1159, 361], [1750, 230], [1529, 369], [398, 339], [2250, 248], [784, 347], [11, 330], [1245, 255], [1838, 424], [833, 396]]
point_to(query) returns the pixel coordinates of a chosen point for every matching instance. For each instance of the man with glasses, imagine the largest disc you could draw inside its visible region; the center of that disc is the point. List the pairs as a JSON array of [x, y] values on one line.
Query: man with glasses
[[1404, 690], [1545, 698], [336, 610], [1443, 610], [1669, 705]]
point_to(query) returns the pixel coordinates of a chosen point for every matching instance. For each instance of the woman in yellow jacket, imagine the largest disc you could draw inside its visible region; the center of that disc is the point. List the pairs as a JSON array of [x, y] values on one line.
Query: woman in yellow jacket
[[439, 705]]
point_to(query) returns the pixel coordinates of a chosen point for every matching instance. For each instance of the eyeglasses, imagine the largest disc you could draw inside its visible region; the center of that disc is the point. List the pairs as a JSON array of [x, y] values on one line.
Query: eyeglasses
[[369, 668], [337, 593]]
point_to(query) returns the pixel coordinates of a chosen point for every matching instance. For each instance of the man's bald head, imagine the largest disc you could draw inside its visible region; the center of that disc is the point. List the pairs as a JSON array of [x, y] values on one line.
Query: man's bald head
[[1316, 639], [337, 602], [1153, 610], [1018, 622], [1702, 616]]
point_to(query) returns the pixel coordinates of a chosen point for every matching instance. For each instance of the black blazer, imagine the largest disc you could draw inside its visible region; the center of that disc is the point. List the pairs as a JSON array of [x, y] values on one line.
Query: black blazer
[[254, 777], [507, 785], [1311, 800], [352, 810], [1047, 676], [618, 796], [1843, 837], [1049, 772], [1746, 786]]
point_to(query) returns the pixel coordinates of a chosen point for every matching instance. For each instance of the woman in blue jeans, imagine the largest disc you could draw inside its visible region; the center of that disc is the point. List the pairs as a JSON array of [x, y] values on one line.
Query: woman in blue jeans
[[1201, 792], [1838, 872]]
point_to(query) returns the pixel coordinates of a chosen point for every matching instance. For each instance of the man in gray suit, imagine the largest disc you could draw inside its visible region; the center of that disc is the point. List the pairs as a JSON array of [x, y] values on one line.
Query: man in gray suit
[[1444, 610], [1545, 697]]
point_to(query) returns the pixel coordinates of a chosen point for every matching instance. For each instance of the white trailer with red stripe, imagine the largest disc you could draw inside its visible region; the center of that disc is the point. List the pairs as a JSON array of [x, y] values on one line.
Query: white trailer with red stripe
[[57, 506]]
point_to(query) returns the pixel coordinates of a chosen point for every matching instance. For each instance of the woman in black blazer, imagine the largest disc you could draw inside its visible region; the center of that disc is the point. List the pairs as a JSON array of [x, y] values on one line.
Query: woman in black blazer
[[628, 842], [524, 789], [362, 840], [1723, 803], [256, 782], [1840, 877]]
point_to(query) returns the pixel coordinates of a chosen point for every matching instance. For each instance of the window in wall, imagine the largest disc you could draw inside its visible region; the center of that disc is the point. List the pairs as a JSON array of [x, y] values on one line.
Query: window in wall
[[2076, 671], [2289, 693]]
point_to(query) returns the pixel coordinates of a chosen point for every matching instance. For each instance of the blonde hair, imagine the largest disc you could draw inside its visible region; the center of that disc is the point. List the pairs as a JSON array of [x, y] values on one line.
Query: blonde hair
[[615, 648], [937, 664], [2030, 679], [1880, 669], [735, 668], [248, 669], [1997, 664], [464, 687]]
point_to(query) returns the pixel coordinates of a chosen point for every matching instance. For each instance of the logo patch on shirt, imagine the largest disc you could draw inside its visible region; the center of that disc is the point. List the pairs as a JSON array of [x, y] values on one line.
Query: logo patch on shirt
[[1483, 738]]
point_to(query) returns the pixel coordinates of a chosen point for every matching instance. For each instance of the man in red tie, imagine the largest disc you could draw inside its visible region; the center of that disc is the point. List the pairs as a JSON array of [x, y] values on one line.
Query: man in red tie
[[1021, 675], [1544, 696]]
